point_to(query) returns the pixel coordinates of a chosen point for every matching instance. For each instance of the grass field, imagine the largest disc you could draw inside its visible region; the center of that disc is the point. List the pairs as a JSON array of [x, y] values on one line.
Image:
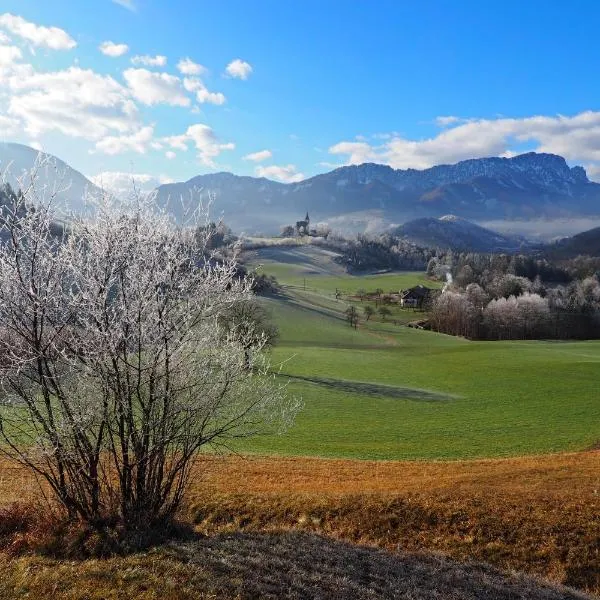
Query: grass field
[[538, 515], [389, 392], [301, 527]]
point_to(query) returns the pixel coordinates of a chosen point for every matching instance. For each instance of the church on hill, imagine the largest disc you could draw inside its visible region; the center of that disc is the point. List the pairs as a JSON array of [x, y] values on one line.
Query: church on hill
[[303, 227]]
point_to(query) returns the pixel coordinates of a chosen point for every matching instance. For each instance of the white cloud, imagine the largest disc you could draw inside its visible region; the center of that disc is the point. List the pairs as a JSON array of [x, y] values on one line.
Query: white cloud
[[149, 61], [53, 38], [287, 173], [204, 96], [193, 84], [204, 140], [77, 102], [577, 138], [136, 142], [128, 4], [9, 126], [151, 87], [187, 66], [448, 120], [113, 50], [124, 184], [239, 69], [9, 55], [259, 156], [170, 155], [4, 39]]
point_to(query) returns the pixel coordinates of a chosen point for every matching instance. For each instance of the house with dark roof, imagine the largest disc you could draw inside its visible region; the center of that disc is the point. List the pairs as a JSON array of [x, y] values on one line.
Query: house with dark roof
[[415, 297]]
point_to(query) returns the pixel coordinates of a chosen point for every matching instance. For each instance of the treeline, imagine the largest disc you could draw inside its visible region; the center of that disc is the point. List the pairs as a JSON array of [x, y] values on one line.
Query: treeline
[[495, 296], [373, 253], [513, 307], [470, 267], [385, 251]]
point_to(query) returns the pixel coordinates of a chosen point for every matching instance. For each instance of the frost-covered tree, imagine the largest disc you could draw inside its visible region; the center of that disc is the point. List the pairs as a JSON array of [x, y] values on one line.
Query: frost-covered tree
[[502, 317], [114, 365], [453, 313], [477, 296]]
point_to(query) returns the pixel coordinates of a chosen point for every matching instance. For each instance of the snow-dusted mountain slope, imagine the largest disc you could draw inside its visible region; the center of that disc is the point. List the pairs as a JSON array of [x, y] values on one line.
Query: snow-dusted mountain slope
[[524, 187], [52, 175]]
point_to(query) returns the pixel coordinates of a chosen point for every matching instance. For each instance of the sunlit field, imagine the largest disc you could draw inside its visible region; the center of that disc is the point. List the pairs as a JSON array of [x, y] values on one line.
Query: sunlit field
[[390, 392]]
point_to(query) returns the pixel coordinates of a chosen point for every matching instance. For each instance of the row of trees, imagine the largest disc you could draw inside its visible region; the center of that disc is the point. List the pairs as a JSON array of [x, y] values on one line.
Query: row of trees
[[353, 315], [512, 308]]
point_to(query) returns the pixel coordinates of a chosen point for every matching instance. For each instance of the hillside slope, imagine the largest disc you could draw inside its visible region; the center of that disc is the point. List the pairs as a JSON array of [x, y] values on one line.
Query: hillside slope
[[584, 243], [53, 176], [458, 234]]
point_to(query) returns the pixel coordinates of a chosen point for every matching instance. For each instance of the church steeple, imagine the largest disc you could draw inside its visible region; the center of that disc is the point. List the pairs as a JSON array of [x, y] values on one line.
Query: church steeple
[[307, 218]]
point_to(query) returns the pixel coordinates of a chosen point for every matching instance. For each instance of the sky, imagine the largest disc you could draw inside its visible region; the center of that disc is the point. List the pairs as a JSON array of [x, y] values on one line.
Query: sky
[[166, 90]]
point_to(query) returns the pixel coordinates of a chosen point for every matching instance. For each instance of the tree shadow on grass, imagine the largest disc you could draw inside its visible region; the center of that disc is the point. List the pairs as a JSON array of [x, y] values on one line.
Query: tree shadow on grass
[[303, 566], [375, 389]]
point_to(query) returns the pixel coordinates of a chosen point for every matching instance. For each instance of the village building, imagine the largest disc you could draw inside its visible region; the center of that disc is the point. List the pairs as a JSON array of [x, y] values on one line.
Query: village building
[[415, 297]]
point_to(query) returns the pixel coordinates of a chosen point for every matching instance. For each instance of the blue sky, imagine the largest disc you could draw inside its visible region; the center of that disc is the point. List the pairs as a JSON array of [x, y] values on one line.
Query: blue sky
[[311, 85]]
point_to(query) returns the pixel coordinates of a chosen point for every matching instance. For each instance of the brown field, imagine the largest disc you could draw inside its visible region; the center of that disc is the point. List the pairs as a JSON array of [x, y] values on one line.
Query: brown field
[[539, 515]]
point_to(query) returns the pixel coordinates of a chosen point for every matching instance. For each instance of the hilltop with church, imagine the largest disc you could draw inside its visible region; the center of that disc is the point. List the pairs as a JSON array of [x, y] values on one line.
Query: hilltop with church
[[303, 229]]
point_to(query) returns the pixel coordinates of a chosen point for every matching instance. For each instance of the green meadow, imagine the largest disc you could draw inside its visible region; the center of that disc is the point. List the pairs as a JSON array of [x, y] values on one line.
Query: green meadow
[[386, 391]]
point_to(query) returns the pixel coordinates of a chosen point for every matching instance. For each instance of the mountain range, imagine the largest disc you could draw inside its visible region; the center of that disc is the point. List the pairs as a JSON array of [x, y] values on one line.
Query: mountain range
[[527, 186], [357, 197]]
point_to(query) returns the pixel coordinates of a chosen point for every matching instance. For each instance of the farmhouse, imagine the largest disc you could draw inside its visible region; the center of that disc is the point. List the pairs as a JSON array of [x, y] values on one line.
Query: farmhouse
[[414, 297]]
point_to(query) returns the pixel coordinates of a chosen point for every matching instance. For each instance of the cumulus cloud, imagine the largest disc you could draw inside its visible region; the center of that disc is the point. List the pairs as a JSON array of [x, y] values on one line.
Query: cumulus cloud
[[124, 184], [150, 87], [77, 102], [204, 96], [238, 69], [118, 144], [149, 61], [9, 55], [170, 155], [285, 173], [577, 138], [204, 140], [193, 84], [53, 38], [259, 156], [8, 126], [187, 66], [113, 50]]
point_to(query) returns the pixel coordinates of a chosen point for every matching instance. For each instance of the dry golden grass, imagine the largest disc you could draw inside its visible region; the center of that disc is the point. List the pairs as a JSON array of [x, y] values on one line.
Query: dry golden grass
[[563, 475], [538, 515]]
